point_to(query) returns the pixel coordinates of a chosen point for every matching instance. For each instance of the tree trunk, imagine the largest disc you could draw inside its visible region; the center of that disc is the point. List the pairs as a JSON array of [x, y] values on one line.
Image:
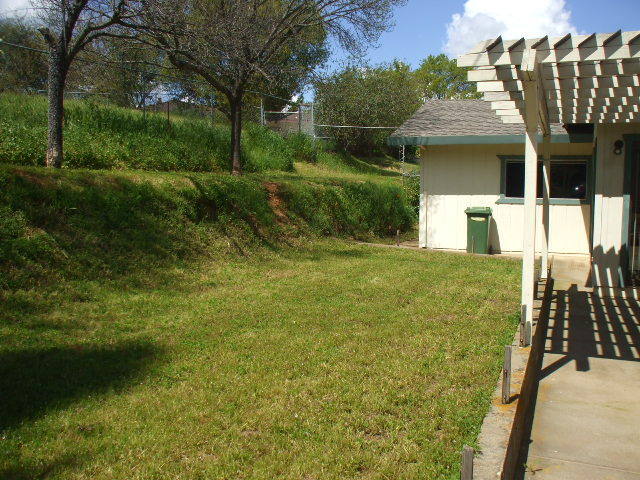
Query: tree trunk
[[236, 134], [56, 81]]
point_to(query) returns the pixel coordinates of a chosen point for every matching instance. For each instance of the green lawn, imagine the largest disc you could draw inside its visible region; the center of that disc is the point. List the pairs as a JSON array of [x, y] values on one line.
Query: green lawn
[[321, 360]]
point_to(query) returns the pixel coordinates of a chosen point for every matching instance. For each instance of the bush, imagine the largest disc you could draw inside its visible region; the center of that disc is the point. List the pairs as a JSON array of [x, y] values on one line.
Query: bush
[[349, 208], [304, 148]]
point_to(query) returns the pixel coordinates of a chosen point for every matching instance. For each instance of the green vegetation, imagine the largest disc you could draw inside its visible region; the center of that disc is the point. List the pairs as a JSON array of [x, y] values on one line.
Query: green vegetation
[[384, 95], [162, 325], [107, 137], [100, 136], [76, 223]]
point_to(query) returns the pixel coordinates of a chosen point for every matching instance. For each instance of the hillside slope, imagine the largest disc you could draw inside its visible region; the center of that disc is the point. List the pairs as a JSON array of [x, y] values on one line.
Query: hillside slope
[[76, 223], [101, 136]]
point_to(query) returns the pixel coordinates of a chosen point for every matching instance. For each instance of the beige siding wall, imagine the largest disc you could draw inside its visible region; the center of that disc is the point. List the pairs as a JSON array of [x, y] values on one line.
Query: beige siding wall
[[608, 205], [461, 176]]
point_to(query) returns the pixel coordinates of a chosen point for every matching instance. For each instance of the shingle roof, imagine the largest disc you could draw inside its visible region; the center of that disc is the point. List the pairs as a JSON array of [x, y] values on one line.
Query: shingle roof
[[460, 118]]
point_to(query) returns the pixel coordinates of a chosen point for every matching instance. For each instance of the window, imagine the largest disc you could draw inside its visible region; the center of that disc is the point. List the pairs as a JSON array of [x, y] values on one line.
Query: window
[[568, 179]]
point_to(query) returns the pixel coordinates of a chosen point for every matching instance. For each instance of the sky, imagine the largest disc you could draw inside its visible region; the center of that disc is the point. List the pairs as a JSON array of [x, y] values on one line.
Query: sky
[[424, 27]]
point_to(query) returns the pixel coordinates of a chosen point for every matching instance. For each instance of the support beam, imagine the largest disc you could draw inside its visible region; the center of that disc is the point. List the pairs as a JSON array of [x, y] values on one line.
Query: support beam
[[546, 188], [530, 187]]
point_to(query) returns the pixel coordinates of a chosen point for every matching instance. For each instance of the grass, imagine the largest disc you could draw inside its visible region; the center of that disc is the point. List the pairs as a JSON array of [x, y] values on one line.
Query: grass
[[173, 325], [166, 322], [324, 360], [102, 136]]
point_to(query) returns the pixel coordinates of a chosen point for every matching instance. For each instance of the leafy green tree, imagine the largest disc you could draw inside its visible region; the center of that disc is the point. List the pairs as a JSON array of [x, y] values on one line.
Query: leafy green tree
[[68, 28], [235, 44], [440, 77], [21, 69], [382, 96], [128, 73]]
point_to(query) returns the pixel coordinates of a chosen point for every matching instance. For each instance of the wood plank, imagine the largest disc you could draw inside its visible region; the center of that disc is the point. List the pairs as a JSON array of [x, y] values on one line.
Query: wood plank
[[576, 102], [530, 188], [501, 96], [512, 120], [498, 86], [466, 467], [511, 112], [594, 93], [506, 375], [613, 81], [507, 104], [601, 51], [493, 74], [590, 69]]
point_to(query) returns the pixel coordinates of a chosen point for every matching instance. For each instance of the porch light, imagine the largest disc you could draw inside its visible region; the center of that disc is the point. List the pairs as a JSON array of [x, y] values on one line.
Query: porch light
[[617, 147]]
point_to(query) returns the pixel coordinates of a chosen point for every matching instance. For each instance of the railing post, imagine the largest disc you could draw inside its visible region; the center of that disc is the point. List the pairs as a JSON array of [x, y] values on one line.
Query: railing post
[[525, 330], [506, 375], [466, 470]]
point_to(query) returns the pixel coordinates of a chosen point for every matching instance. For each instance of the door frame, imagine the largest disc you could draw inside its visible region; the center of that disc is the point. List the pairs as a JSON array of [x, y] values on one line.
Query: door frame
[[632, 149]]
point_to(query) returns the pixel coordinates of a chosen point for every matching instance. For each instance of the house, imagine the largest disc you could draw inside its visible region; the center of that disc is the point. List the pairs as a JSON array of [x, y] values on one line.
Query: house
[[546, 94], [470, 158]]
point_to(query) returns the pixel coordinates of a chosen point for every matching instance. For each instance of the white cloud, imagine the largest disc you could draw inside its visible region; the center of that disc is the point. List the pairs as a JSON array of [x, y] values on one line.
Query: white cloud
[[485, 19]]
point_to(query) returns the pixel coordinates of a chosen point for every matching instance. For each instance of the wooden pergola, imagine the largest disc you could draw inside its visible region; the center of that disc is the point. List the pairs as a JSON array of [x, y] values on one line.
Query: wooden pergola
[[540, 81]]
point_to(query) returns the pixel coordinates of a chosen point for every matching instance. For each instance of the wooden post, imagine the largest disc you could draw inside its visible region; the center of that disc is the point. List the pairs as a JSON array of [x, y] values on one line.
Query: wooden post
[[523, 317], [466, 470], [546, 187], [530, 194], [506, 375], [168, 119]]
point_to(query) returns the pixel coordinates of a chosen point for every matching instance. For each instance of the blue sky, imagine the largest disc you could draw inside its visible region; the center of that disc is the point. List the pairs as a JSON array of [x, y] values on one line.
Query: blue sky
[[421, 25]]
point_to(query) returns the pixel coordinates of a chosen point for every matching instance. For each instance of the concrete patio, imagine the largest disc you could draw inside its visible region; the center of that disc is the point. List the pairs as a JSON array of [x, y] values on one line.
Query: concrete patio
[[586, 422]]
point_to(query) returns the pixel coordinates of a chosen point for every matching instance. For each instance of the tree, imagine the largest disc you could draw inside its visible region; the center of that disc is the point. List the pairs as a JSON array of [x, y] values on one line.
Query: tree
[[440, 77], [69, 27], [233, 44], [21, 68], [382, 96], [127, 72]]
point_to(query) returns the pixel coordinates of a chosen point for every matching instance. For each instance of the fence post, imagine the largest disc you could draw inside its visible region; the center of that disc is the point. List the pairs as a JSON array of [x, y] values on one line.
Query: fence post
[[299, 118], [168, 119], [262, 116], [506, 375], [313, 121], [523, 323], [466, 470]]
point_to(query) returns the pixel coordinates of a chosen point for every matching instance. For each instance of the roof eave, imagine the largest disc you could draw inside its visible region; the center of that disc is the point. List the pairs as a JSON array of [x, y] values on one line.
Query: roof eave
[[400, 140]]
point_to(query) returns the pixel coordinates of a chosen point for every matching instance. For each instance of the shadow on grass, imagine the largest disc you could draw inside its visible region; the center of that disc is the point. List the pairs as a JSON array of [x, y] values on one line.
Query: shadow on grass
[[42, 470], [34, 381]]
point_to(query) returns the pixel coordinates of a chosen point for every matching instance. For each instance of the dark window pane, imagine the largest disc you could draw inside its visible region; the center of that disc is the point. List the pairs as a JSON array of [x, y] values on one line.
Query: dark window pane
[[514, 180], [568, 179]]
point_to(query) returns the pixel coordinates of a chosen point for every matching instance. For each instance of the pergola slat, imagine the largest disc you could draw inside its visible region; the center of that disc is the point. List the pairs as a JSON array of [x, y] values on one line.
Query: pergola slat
[[605, 69], [587, 48], [633, 92], [536, 82]]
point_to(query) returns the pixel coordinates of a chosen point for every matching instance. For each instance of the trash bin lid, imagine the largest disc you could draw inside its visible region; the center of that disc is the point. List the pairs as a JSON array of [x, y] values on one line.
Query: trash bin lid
[[478, 211]]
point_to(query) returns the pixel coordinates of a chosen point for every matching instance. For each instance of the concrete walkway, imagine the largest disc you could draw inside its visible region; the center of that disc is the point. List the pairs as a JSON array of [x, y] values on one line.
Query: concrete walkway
[[586, 423]]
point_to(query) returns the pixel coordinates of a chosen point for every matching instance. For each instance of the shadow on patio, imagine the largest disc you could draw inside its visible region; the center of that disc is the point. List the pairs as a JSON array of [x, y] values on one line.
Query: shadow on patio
[[586, 420]]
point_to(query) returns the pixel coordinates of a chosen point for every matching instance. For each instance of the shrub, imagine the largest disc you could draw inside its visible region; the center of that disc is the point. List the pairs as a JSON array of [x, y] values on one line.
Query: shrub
[[304, 148]]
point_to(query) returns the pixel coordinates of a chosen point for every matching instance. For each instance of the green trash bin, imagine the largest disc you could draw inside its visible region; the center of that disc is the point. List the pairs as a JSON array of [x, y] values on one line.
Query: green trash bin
[[478, 222]]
